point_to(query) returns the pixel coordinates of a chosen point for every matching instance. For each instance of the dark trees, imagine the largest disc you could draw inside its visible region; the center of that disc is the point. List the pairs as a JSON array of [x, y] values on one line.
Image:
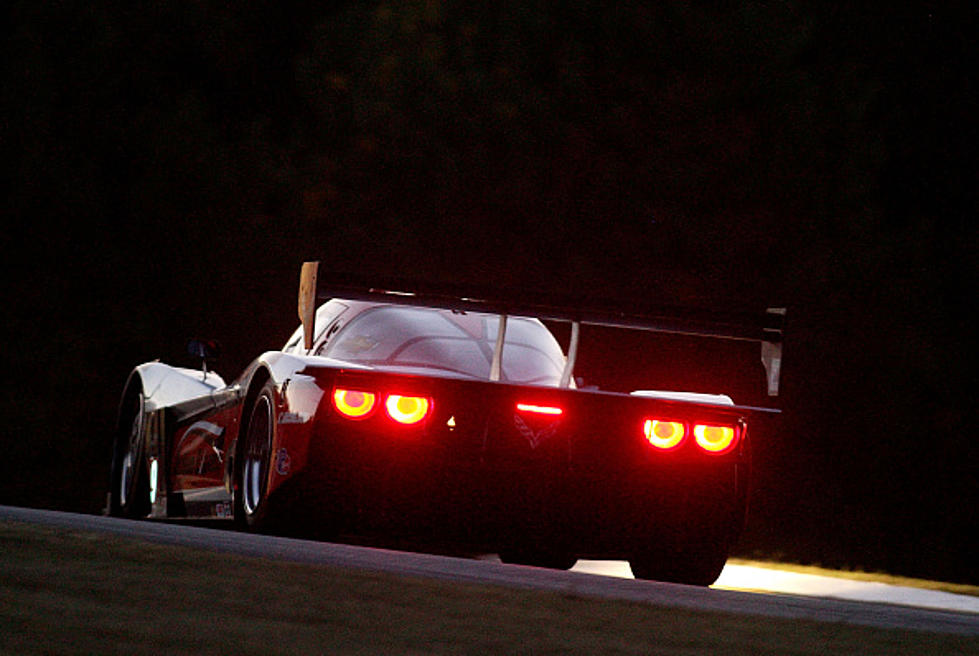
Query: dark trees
[[170, 166]]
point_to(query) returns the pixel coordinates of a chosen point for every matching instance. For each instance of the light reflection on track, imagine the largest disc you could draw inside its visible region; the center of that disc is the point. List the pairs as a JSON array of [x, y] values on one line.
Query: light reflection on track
[[760, 579]]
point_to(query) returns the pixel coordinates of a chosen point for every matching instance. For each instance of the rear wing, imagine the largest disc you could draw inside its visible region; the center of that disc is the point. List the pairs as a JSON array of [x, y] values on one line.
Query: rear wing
[[762, 327]]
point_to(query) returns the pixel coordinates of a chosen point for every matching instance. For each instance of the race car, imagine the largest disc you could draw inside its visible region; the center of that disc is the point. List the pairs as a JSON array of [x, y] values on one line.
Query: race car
[[400, 410]]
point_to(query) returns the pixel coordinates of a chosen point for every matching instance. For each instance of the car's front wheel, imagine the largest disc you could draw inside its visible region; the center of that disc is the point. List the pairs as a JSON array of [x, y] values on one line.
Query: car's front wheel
[[129, 493]]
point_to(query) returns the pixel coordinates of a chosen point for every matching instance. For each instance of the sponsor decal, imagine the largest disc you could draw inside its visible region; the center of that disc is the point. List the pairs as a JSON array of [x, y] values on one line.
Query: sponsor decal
[[222, 509], [205, 427], [282, 462], [538, 436], [202, 429]]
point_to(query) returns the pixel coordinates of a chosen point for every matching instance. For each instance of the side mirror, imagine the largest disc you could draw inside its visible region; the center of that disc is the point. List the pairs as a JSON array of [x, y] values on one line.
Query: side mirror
[[204, 350]]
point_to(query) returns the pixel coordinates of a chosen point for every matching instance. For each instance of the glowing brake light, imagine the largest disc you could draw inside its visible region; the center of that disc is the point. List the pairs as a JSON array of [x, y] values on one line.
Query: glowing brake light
[[540, 409], [665, 435], [407, 409], [353, 404], [715, 439]]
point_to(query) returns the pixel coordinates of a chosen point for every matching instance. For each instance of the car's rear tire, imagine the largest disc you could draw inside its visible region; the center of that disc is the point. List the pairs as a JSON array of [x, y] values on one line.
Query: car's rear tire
[[252, 463], [692, 568], [538, 557], [696, 557], [129, 491]]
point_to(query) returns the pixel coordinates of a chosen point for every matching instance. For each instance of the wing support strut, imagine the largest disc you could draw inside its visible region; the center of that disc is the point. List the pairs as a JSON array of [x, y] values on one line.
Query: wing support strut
[[572, 355], [497, 365]]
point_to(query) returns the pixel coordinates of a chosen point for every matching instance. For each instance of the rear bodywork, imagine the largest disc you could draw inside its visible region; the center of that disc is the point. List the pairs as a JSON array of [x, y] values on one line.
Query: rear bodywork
[[494, 462], [484, 470]]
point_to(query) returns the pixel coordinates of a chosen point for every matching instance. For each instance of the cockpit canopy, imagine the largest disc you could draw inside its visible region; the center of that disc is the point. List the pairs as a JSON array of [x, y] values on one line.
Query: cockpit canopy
[[457, 343]]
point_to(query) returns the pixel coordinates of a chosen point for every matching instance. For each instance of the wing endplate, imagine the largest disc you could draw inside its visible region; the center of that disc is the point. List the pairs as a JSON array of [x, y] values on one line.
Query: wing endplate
[[307, 301]]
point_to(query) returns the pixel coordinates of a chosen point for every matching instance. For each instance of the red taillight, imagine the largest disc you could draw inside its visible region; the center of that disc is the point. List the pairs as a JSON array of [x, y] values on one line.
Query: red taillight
[[408, 409], [665, 435], [540, 409], [354, 404], [715, 440]]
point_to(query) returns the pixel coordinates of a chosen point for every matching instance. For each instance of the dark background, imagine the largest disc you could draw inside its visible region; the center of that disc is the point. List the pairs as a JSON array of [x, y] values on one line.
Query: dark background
[[168, 166]]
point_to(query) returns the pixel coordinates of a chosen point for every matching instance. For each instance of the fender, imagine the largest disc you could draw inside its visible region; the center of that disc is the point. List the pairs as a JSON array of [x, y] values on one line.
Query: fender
[[297, 398], [163, 385], [164, 389]]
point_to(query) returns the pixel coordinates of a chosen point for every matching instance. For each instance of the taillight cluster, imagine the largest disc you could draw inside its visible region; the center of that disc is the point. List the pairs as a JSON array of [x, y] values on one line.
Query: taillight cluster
[[361, 404], [667, 435]]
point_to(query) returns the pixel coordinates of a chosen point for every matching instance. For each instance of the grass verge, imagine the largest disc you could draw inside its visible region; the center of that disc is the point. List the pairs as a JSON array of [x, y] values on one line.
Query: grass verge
[[68, 592]]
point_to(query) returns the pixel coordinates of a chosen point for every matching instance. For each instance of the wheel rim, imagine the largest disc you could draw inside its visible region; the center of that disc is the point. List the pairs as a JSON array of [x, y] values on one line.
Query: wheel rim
[[126, 475], [125, 480], [255, 467]]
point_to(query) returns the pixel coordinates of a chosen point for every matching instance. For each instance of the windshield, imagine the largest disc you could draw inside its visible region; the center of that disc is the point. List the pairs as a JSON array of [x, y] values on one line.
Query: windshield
[[457, 342]]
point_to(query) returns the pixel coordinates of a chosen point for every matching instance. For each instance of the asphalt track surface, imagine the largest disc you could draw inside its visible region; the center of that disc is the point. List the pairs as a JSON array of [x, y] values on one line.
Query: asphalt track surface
[[488, 572]]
